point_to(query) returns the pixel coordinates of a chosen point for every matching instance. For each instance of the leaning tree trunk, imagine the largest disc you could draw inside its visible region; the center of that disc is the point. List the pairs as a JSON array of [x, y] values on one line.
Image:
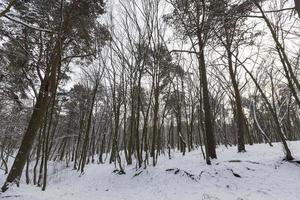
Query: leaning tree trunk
[[288, 154], [48, 87], [47, 92], [35, 123]]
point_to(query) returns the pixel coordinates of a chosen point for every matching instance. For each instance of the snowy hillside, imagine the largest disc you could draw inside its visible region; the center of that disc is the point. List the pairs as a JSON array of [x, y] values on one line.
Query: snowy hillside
[[257, 174]]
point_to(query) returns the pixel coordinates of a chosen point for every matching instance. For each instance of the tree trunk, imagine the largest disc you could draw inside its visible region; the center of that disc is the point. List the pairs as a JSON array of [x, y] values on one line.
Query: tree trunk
[[240, 123], [209, 129], [35, 123]]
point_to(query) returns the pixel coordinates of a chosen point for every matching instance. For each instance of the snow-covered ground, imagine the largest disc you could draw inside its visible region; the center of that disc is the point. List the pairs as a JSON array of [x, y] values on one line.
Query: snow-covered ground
[[263, 175]]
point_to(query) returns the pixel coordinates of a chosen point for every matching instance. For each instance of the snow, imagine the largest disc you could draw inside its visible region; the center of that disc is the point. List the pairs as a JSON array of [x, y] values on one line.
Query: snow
[[263, 175]]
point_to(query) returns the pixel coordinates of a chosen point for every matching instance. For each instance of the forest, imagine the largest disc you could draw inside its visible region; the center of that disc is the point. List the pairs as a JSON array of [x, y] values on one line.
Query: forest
[[177, 87]]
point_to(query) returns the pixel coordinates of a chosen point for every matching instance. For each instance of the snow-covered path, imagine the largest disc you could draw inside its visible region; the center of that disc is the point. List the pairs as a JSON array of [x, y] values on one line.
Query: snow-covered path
[[263, 175]]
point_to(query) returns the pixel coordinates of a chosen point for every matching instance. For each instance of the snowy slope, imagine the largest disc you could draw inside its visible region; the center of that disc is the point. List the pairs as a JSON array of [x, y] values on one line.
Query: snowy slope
[[263, 175]]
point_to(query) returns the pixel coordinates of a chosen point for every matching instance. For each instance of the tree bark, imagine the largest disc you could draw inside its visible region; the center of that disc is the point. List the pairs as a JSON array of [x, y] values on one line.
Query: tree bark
[[238, 103], [209, 129]]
